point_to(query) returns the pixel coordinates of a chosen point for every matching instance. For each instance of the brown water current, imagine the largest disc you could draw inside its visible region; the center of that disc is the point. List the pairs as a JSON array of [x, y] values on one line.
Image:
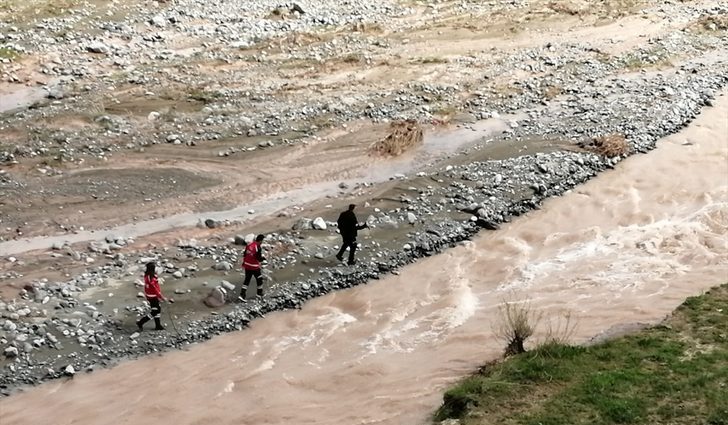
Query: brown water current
[[626, 247]]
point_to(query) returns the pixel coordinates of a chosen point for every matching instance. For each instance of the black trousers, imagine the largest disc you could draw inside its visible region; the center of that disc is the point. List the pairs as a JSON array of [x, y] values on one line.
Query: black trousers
[[259, 280], [155, 314], [156, 308], [350, 243]]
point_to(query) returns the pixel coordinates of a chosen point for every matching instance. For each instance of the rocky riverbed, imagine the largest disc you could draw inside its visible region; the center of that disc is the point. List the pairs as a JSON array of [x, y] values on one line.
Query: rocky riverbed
[[163, 90]]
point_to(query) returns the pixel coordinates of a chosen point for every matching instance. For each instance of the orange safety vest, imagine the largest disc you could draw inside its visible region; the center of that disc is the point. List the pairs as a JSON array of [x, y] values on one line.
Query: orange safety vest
[[151, 287], [250, 258]]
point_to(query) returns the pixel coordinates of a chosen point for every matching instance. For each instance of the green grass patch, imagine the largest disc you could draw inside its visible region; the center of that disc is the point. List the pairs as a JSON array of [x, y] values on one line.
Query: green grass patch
[[674, 373], [656, 58], [8, 53]]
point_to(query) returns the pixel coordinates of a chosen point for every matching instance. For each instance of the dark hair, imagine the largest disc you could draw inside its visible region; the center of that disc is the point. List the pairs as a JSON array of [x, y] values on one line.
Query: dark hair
[[150, 269], [351, 207], [260, 238]]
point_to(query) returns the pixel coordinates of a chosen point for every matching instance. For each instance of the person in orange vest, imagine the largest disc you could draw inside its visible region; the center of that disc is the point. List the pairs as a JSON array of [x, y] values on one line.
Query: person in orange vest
[[252, 259], [153, 293]]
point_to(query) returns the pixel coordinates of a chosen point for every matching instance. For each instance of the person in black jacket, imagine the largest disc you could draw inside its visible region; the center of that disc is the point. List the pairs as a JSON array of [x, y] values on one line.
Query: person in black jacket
[[348, 227]]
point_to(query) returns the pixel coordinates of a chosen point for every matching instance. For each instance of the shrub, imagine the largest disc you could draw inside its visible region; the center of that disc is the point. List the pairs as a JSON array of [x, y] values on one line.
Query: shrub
[[517, 323], [609, 146], [403, 136], [561, 330]]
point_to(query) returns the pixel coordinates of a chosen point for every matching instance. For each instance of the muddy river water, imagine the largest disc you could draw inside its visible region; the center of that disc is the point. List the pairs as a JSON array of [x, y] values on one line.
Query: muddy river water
[[626, 247]]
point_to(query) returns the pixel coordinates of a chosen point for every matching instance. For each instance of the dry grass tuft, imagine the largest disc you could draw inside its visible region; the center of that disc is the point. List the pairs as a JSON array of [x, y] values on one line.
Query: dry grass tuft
[[404, 135], [560, 330], [366, 28], [518, 321], [565, 8], [353, 58], [609, 146], [551, 92], [712, 23]]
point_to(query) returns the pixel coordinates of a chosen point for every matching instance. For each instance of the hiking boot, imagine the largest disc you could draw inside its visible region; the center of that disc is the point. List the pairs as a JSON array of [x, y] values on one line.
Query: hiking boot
[[339, 257], [158, 324], [240, 300], [351, 263], [140, 323]]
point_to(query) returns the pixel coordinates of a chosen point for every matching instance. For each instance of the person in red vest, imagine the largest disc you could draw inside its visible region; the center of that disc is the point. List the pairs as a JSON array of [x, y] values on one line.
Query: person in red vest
[[252, 259], [153, 293]]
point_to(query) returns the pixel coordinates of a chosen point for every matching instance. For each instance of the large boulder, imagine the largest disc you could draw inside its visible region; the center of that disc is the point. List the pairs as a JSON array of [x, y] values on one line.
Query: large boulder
[[487, 224], [388, 222], [216, 298], [10, 326], [229, 287], [97, 47], [225, 266], [303, 224], [187, 243], [411, 218], [244, 240], [319, 223], [11, 352]]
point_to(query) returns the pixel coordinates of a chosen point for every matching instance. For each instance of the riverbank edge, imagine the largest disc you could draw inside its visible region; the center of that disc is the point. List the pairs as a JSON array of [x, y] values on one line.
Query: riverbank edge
[[586, 366]]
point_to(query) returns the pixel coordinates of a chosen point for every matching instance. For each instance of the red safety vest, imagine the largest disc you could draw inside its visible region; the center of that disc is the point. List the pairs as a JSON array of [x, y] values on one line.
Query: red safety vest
[[250, 258], [151, 287]]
